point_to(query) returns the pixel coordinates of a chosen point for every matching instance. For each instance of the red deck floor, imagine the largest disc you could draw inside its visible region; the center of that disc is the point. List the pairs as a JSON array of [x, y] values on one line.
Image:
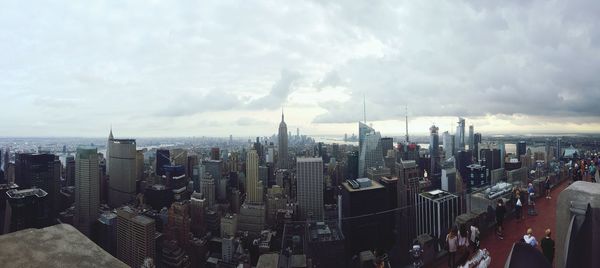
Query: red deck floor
[[514, 229]]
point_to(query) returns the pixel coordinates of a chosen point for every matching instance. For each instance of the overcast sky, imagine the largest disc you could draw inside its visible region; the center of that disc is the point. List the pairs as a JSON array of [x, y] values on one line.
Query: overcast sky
[[214, 68]]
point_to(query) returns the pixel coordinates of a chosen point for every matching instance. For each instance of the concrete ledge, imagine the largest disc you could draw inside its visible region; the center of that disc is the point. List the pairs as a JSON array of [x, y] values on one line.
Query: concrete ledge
[[579, 192], [56, 246]]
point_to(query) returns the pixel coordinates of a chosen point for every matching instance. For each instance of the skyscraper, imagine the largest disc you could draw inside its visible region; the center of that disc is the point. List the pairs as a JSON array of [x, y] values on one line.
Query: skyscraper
[[135, 237], [434, 153], [122, 171], [282, 162], [370, 153], [448, 142], [207, 186], [365, 197], [460, 134], [502, 154], [476, 142], [436, 212], [363, 129], [471, 138], [387, 143], [521, 148], [70, 170], [87, 189], [310, 187], [254, 188], [352, 165], [163, 158], [41, 171]]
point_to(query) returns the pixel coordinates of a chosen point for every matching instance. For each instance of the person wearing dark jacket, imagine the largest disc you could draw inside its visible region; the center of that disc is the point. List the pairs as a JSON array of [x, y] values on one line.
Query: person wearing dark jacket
[[500, 211], [548, 246]]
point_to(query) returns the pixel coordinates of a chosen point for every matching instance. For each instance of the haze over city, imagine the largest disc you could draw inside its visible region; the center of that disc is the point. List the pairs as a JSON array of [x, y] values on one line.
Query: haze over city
[[215, 68]]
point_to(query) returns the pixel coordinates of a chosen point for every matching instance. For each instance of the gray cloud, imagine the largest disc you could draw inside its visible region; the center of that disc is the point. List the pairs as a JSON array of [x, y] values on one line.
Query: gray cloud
[[278, 94], [137, 61]]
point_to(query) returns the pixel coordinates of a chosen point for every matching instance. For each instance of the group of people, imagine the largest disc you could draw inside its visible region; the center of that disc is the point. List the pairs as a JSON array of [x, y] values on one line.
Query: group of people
[[547, 243], [461, 242], [584, 168]]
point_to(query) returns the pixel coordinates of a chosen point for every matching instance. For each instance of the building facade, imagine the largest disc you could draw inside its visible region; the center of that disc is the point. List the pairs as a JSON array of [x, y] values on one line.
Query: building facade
[[122, 171], [310, 187], [87, 189], [436, 211]]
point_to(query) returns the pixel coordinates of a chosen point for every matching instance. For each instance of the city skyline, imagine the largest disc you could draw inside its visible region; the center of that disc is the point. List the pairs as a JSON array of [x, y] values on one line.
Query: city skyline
[[209, 69]]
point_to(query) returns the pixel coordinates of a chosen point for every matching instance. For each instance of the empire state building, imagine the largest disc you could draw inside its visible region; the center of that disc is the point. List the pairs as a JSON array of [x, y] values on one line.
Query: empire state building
[[282, 162]]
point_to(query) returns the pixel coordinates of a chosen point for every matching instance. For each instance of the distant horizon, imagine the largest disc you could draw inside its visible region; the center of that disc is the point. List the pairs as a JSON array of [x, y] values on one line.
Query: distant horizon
[[420, 135]]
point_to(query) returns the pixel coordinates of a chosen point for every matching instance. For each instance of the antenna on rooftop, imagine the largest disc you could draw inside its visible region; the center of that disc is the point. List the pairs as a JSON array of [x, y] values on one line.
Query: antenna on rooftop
[[406, 120]]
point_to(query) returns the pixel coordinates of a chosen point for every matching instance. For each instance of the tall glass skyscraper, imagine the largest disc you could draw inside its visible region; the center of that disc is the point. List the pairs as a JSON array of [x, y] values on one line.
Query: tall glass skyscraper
[[460, 135], [370, 149]]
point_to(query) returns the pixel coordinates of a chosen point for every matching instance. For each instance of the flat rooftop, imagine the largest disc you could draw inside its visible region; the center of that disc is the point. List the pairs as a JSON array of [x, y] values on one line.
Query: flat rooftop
[[16, 194], [55, 246], [374, 185]]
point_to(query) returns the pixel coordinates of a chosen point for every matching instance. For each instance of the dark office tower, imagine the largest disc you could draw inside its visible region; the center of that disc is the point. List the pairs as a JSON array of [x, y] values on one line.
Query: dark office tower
[[28, 209], [391, 188], [387, 143], [3, 209], [41, 171], [436, 212], [478, 176], [103, 180], [104, 232], [87, 189], [476, 142], [490, 158], [215, 153], [521, 148], [463, 159], [282, 137], [352, 165], [435, 171], [163, 158], [365, 197], [192, 161], [70, 170], [122, 171]]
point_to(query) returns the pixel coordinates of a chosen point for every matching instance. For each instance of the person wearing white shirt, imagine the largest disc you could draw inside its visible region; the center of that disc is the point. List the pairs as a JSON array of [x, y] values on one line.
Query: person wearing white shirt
[[529, 238]]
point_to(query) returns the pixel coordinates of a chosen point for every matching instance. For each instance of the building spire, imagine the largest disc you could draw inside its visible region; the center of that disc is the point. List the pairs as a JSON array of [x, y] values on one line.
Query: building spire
[[110, 136], [364, 109], [282, 114]]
